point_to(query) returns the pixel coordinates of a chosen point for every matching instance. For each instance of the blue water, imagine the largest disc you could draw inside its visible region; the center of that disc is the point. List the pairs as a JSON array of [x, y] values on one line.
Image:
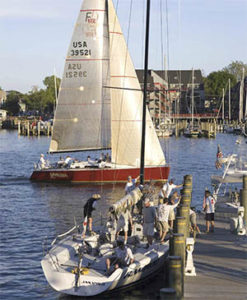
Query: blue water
[[30, 212]]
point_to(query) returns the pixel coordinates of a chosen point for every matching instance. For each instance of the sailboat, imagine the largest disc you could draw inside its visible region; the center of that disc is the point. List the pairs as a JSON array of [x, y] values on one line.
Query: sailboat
[[192, 130], [100, 105], [77, 264]]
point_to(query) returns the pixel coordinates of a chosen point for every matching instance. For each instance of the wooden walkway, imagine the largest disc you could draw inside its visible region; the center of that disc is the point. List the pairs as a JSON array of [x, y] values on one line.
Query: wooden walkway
[[220, 260]]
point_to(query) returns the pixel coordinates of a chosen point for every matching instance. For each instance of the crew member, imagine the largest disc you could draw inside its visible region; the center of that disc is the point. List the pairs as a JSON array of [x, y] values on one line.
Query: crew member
[[123, 257], [131, 184], [123, 224], [88, 209]]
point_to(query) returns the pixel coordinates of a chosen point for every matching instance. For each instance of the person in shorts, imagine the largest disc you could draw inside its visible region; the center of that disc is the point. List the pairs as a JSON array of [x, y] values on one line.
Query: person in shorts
[[89, 207], [209, 208], [193, 221], [149, 218], [123, 224], [172, 201]]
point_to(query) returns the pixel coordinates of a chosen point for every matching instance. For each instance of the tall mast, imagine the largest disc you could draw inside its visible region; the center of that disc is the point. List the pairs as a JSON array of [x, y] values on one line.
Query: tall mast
[[192, 100], [145, 94], [241, 100], [229, 99], [223, 104]]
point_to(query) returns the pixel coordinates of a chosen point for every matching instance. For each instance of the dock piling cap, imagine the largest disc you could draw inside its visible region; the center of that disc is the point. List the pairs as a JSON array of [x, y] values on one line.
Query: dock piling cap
[[96, 196]]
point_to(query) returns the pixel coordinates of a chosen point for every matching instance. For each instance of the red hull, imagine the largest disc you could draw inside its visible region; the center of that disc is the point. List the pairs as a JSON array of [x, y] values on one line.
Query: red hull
[[99, 175]]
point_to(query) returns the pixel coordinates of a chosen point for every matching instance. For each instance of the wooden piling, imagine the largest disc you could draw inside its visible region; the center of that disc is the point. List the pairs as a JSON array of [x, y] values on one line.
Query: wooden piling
[[168, 294], [38, 128], [19, 127], [178, 246], [183, 210], [176, 276], [28, 129], [243, 197], [180, 225]]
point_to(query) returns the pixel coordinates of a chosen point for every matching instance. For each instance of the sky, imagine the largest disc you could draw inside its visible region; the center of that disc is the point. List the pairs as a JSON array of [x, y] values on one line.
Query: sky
[[201, 34]]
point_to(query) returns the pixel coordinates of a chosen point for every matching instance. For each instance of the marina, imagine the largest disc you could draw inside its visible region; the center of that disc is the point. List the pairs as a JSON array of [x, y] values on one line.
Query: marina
[[32, 212], [118, 182]]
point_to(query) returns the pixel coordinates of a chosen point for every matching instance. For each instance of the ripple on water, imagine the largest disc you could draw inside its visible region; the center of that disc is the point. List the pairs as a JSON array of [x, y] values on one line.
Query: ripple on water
[[29, 212]]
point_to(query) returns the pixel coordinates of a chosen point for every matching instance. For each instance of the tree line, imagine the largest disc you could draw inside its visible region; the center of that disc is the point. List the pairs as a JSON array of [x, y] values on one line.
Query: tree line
[[38, 101], [43, 100]]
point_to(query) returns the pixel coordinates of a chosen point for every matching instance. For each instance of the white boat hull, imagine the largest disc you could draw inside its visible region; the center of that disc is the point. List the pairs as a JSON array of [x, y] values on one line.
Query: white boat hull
[[57, 265]]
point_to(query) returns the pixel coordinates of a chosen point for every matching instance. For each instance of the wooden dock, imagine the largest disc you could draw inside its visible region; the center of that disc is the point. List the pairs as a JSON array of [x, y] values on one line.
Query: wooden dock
[[220, 260]]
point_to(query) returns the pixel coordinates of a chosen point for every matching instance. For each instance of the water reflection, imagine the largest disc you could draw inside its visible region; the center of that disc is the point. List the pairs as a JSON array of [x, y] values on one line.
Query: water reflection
[[31, 211]]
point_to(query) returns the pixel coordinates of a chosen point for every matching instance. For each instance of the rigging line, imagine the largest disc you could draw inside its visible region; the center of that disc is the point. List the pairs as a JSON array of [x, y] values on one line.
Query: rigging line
[[125, 66], [167, 36]]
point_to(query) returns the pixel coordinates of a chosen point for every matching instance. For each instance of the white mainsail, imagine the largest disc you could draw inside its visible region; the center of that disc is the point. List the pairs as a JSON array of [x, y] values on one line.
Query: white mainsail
[[82, 118], [100, 100], [126, 105]]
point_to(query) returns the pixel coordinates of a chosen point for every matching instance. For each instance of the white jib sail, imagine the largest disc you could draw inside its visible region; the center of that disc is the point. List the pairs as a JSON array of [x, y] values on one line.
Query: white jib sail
[[126, 105], [82, 118]]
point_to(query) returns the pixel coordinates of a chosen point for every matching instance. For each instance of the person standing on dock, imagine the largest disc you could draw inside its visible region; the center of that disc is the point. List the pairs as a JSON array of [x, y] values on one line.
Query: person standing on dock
[[209, 208], [88, 209], [167, 188], [172, 200], [131, 184], [193, 222], [149, 218], [163, 213]]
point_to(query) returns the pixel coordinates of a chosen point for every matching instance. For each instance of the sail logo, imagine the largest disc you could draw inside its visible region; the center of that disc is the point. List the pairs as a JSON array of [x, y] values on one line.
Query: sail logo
[[91, 17]]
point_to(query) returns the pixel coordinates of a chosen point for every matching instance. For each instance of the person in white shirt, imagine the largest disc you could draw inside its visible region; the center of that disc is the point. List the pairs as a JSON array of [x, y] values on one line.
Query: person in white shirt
[[123, 224], [209, 208], [42, 161], [167, 188], [123, 257], [131, 184], [68, 161], [163, 212]]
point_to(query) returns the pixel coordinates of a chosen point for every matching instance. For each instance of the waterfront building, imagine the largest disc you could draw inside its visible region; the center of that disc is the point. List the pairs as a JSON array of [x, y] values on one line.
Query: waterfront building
[[170, 93]]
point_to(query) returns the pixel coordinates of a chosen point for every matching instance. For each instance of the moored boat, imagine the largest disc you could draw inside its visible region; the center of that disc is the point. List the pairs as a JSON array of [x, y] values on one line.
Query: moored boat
[[77, 266]]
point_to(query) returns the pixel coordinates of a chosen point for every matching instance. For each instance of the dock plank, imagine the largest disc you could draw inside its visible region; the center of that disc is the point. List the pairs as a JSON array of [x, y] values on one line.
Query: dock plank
[[220, 260]]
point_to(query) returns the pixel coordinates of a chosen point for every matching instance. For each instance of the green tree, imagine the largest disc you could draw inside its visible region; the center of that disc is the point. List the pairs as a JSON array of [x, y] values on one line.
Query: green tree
[[236, 69], [12, 103], [43, 100], [216, 81]]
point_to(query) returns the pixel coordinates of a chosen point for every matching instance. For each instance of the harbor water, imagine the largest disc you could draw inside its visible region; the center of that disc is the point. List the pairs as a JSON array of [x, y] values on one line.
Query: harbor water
[[31, 212]]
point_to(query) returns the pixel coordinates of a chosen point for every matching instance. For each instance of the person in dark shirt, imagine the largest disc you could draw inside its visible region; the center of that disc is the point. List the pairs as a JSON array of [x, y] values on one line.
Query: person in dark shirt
[[88, 209]]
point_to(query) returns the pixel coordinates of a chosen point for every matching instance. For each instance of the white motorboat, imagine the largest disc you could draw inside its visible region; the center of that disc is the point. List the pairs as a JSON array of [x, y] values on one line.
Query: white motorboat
[[77, 266]]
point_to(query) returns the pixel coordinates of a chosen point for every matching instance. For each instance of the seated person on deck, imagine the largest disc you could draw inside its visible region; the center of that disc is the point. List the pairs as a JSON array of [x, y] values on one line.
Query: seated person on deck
[[123, 257]]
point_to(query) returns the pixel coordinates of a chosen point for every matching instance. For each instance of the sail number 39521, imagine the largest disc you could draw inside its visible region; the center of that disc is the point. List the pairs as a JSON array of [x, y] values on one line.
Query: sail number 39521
[[80, 48], [81, 52]]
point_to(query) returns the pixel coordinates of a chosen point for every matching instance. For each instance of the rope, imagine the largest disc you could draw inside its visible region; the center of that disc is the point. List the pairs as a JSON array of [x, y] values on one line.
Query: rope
[[61, 235]]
